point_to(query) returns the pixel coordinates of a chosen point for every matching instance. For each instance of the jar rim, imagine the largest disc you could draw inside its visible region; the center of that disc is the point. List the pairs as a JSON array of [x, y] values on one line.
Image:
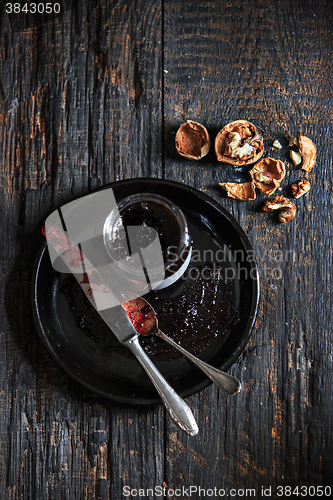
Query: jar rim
[[183, 250], [149, 197]]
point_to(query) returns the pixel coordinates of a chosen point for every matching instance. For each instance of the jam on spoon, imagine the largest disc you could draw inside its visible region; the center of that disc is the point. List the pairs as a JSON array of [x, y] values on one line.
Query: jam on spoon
[[144, 319]]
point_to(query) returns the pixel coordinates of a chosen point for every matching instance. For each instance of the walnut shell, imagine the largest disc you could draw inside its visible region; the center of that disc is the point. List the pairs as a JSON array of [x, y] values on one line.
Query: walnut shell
[[192, 140], [240, 191], [239, 143], [267, 175], [308, 152]]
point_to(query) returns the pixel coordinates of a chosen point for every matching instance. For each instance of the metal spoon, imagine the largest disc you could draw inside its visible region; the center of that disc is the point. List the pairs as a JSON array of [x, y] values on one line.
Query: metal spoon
[[144, 318]]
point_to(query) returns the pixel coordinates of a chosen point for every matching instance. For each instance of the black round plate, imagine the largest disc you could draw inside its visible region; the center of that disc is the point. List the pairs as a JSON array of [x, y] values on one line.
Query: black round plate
[[121, 378]]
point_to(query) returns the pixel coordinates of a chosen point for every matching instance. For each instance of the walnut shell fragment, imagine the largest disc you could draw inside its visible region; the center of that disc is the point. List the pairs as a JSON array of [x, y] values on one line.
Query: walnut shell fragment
[[300, 187], [240, 191], [308, 152], [192, 140], [267, 175], [239, 143], [286, 207]]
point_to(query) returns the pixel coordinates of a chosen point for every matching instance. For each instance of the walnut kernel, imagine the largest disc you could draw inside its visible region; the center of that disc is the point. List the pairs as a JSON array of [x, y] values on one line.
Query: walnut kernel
[[300, 187], [277, 144], [192, 140], [295, 157], [240, 191], [286, 207], [239, 143]]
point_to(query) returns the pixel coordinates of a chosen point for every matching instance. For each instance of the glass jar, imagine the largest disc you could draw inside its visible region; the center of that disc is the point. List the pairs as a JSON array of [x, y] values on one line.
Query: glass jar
[[148, 241]]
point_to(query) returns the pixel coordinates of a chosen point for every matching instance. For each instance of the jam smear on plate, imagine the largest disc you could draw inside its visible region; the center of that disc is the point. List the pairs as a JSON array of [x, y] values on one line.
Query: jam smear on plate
[[198, 310]]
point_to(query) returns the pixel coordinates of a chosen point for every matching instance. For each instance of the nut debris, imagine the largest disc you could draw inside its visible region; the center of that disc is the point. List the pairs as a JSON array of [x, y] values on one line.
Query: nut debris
[[267, 175], [296, 157], [300, 187], [240, 191], [277, 144], [304, 152], [308, 152], [293, 142], [286, 207]]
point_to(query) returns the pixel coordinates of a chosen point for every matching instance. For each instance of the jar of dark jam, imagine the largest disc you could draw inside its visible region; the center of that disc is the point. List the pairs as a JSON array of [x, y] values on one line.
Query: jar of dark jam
[[148, 240]]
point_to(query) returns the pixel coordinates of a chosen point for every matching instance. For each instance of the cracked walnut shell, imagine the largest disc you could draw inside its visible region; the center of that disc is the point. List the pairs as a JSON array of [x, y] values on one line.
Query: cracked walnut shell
[[267, 175], [308, 152], [192, 140], [239, 143], [240, 191], [286, 207]]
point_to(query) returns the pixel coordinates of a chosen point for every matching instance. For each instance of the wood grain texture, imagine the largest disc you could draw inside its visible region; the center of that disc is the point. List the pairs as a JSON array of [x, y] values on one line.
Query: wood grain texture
[[80, 106], [270, 63], [95, 94]]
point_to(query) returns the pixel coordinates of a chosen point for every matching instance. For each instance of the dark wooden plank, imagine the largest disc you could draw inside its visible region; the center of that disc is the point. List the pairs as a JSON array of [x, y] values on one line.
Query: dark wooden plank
[[270, 63], [81, 99], [80, 104]]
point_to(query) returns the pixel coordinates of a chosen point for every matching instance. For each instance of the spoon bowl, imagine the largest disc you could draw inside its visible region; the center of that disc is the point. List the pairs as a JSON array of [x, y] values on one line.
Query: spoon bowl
[[144, 319]]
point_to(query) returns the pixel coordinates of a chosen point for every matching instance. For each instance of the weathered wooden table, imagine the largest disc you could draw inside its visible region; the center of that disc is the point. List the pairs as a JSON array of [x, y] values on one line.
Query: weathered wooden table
[[94, 94]]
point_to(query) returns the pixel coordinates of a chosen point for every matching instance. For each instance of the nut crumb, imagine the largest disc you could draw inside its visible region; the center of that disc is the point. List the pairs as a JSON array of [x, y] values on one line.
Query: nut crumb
[[240, 191], [277, 144], [300, 187], [293, 142], [286, 207], [295, 157], [267, 175]]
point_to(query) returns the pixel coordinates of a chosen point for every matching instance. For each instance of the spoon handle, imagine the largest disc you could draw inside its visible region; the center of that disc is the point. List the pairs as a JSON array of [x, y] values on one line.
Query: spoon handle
[[228, 384], [175, 405]]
